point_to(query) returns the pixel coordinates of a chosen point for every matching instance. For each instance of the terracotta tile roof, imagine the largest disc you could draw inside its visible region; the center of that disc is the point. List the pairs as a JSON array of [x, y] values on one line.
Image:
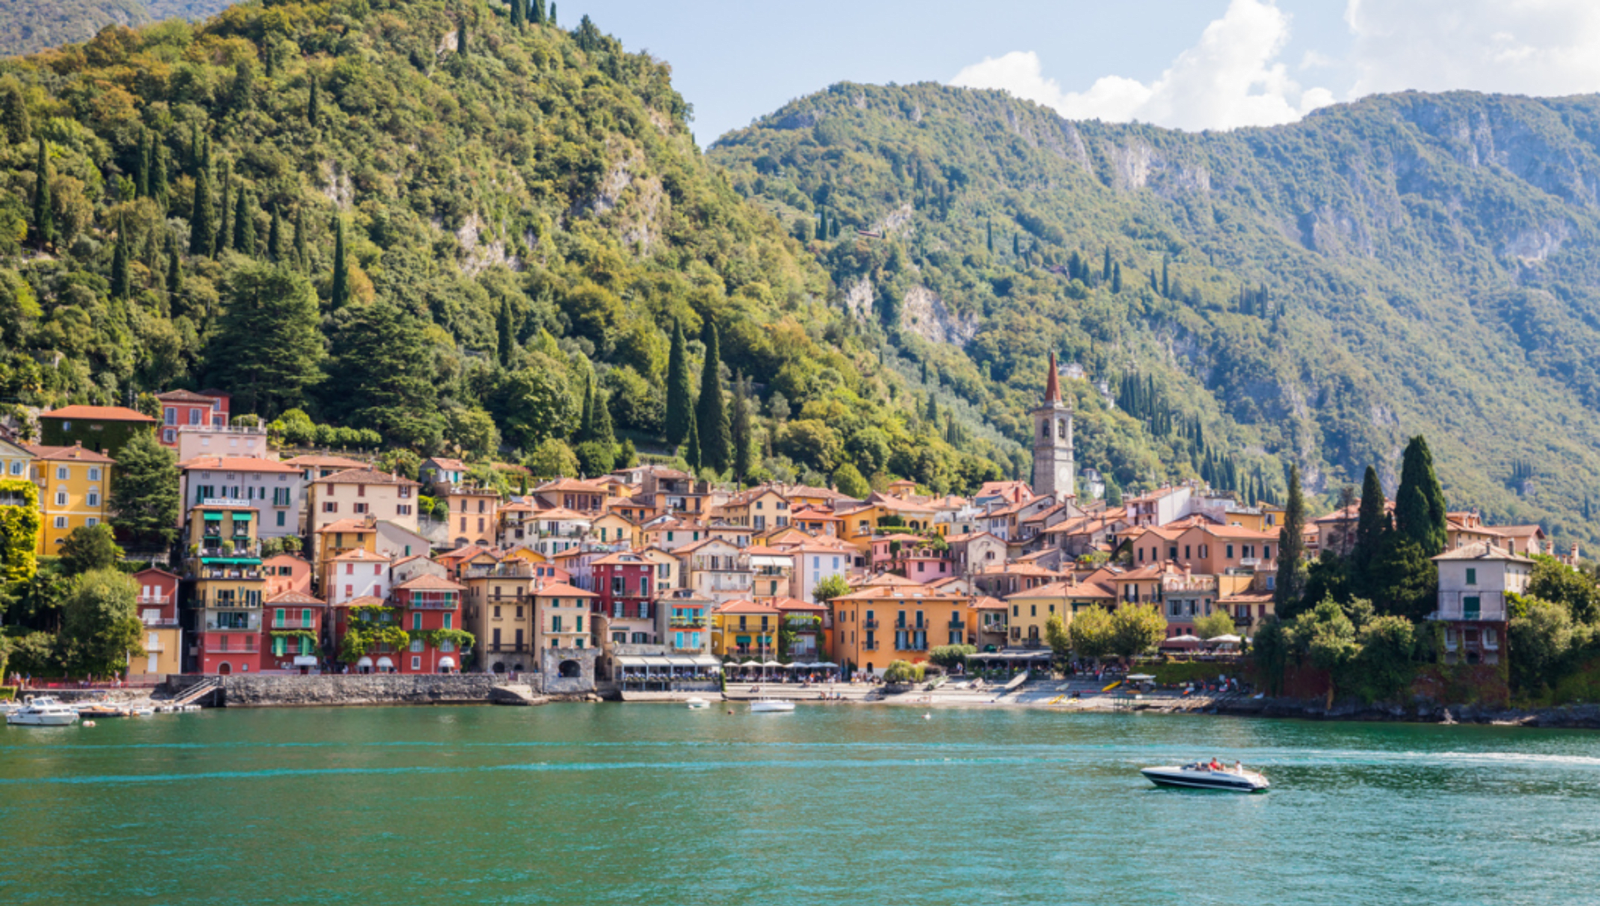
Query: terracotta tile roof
[[318, 461], [357, 553], [1065, 590], [561, 590], [913, 591], [561, 512], [296, 597], [449, 465], [347, 525], [1481, 550], [427, 582], [184, 396], [796, 604], [362, 601], [366, 476], [74, 453], [744, 606], [988, 603], [237, 464], [104, 413]]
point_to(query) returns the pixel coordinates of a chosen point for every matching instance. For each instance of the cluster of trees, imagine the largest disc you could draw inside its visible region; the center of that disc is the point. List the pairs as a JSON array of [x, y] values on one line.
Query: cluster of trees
[[1095, 632], [76, 615]]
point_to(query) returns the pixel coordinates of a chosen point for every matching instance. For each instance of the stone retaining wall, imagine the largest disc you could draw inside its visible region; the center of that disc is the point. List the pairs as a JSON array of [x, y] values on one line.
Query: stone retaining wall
[[368, 689]]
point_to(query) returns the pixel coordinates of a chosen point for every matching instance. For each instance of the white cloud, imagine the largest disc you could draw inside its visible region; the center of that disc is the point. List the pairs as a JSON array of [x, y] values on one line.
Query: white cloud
[[1232, 77], [1539, 47]]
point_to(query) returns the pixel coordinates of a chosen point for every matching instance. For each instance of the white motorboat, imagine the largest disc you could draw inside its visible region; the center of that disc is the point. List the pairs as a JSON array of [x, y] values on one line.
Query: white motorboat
[[695, 703], [770, 706], [1200, 776], [42, 711]]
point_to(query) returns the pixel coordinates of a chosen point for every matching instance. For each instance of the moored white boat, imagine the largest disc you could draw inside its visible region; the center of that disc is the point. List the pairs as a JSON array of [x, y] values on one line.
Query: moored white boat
[[42, 711], [695, 703], [1202, 777], [770, 705]]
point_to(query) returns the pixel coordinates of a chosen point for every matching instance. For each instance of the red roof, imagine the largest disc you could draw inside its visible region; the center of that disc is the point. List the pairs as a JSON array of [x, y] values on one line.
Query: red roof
[[237, 464], [562, 590], [107, 413], [75, 452], [426, 582]]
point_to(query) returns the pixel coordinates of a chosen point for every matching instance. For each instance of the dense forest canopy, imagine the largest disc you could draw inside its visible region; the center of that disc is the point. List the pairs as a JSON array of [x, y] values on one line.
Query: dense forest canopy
[[1312, 293], [423, 219]]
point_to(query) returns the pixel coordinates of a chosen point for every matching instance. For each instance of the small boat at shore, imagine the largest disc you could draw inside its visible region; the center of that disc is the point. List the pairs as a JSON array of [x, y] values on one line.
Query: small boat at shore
[[43, 711], [695, 703], [770, 706], [1201, 777]]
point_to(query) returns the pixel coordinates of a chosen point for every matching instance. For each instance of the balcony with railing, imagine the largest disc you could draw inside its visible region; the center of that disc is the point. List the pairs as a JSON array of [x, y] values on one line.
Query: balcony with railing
[[250, 623], [154, 600], [220, 602], [871, 645], [208, 571], [869, 624], [432, 600], [295, 622], [1488, 606], [158, 622], [689, 622]]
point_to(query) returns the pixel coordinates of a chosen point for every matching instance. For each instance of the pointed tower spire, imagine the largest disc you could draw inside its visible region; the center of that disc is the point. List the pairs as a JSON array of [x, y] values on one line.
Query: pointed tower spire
[[1052, 386]]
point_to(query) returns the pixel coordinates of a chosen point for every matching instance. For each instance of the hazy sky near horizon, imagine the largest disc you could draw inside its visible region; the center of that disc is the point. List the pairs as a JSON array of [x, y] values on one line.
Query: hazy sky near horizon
[[1189, 64]]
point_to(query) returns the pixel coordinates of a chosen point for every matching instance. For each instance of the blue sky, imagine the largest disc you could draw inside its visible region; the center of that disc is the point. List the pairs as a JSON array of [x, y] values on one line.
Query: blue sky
[[1191, 64]]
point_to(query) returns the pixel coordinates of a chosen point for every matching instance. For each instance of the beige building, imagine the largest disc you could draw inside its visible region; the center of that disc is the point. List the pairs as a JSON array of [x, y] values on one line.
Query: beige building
[[360, 493]]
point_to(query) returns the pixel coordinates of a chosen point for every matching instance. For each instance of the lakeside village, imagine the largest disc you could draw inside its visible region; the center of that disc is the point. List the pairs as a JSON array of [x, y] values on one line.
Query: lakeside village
[[648, 581]]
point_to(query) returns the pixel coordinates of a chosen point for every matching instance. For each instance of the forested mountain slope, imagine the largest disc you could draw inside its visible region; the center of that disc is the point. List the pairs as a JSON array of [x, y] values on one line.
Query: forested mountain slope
[[522, 213], [1314, 292], [30, 25]]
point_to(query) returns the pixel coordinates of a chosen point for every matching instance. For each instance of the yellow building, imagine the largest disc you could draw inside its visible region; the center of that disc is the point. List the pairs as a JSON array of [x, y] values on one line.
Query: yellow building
[[335, 538], [73, 485], [613, 528], [1028, 611], [878, 624], [224, 563], [499, 611], [745, 630], [15, 460], [562, 617]]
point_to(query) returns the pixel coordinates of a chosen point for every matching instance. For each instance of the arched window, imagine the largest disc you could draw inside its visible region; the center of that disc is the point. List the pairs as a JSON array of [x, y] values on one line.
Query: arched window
[[1061, 429]]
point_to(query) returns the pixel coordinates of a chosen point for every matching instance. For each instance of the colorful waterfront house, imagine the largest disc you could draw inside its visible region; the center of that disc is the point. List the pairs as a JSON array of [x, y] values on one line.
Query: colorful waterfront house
[[972, 551], [587, 498], [474, 515], [559, 530], [1216, 549], [379, 657], [361, 494], [74, 483], [222, 440], [161, 634], [880, 623], [396, 540], [668, 569], [807, 625], [292, 636], [717, 570], [224, 567], [814, 522], [438, 470], [516, 523], [671, 533], [745, 630], [101, 429], [498, 609], [614, 528], [683, 622], [1474, 582], [1001, 580], [15, 460], [817, 559], [736, 535], [1185, 597], [275, 488], [759, 508], [771, 572], [428, 604], [990, 624], [1031, 610], [185, 408], [319, 465], [404, 569], [356, 573], [625, 584], [562, 616], [335, 538], [286, 572]]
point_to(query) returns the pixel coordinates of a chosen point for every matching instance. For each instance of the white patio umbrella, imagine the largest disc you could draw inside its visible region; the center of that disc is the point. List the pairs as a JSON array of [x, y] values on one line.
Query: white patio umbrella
[[1184, 638], [1224, 640]]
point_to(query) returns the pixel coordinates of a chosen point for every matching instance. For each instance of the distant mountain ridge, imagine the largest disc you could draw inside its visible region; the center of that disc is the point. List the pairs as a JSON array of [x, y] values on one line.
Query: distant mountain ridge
[[1409, 263], [30, 25]]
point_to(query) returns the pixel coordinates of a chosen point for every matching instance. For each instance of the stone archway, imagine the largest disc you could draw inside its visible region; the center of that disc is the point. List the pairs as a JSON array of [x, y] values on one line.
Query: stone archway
[[570, 670], [499, 667]]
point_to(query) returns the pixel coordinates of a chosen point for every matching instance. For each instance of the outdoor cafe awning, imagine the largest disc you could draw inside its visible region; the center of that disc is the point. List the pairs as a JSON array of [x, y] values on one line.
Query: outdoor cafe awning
[[212, 517], [241, 517]]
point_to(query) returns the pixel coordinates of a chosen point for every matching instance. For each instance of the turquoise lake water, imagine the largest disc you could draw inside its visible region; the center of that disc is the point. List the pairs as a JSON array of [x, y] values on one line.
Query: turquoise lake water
[[646, 804]]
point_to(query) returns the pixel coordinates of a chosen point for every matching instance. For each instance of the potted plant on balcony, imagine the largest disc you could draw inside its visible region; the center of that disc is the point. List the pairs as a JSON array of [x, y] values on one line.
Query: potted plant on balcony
[[227, 548]]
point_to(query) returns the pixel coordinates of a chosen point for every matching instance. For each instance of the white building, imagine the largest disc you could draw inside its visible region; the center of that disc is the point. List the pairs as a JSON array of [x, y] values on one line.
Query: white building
[[274, 488], [1473, 583]]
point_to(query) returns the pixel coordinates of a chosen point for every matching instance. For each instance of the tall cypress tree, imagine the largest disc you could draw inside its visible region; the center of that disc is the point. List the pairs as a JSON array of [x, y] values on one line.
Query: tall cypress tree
[[517, 18], [141, 176], [159, 163], [340, 294], [1166, 285], [202, 230], [692, 454], [600, 430], [740, 430], [244, 224], [1291, 547], [680, 394], [121, 283], [505, 342], [174, 271], [586, 420], [711, 413], [461, 34], [275, 237], [536, 12], [44, 223], [1105, 267], [224, 240], [314, 105], [302, 255], [1369, 524], [1419, 506], [1116, 276]]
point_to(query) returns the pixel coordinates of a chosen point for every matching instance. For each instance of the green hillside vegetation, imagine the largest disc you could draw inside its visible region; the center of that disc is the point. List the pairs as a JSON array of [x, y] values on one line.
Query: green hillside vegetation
[[30, 25], [1312, 293], [423, 219]]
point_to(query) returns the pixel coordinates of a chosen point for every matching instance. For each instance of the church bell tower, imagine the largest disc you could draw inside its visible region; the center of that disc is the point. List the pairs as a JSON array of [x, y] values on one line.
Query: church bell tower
[[1053, 467]]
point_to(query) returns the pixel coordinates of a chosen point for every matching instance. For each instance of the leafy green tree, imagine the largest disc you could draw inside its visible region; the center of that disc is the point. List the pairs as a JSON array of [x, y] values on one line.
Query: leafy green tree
[[313, 104], [378, 380], [244, 224], [159, 165], [144, 500], [1388, 647], [552, 458], [1419, 506], [1058, 638], [100, 626], [339, 295], [1136, 628], [224, 238], [536, 12], [88, 548], [680, 396], [740, 431], [1291, 548], [505, 333], [1218, 622], [692, 454], [1270, 648], [848, 480], [275, 246], [830, 587], [302, 257], [535, 403], [595, 458], [711, 414], [1370, 522], [900, 672], [1328, 638], [1093, 634], [1402, 580], [14, 120], [518, 18], [473, 429], [1554, 581], [44, 225], [951, 656], [121, 282], [268, 345], [1540, 641]]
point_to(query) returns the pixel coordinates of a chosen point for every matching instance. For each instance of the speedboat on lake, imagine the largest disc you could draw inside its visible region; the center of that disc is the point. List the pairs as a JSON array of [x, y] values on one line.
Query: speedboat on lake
[[42, 711], [1200, 776], [770, 705]]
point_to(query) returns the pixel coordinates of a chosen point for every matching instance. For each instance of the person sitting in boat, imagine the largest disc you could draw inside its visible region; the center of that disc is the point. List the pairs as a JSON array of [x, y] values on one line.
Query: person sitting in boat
[[1215, 765], [1238, 767]]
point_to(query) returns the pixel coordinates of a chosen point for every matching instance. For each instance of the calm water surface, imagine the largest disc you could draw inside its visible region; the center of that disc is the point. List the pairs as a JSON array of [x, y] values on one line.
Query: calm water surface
[[649, 804]]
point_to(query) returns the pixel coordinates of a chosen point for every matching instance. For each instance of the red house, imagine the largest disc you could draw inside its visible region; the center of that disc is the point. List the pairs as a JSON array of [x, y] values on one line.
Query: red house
[[160, 635], [424, 604], [623, 582], [185, 407]]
